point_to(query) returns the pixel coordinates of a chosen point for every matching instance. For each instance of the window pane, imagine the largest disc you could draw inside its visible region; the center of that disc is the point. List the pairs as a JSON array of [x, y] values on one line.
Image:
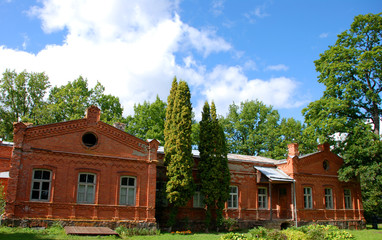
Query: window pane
[[90, 178], [234, 201], [131, 196], [37, 174], [124, 181], [35, 194], [44, 195], [45, 186], [46, 175], [83, 178], [36, 185], [132, 182]]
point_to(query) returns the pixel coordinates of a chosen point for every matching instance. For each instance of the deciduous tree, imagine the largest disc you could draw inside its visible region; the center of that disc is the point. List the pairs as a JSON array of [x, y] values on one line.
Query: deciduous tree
[[22, 98], [148, 120], [351, 72]]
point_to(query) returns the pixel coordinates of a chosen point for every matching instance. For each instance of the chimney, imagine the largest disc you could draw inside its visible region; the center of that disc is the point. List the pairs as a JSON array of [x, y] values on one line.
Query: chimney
[[120, 126], [323, 147], [93, 114], [293, 150]]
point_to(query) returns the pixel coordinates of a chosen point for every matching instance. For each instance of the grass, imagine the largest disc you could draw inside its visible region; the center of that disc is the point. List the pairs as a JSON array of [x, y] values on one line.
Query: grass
[[368, 233], [54, 233]]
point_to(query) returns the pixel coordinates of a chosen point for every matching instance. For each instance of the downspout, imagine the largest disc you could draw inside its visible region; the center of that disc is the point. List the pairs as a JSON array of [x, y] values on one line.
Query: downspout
[[294, 202], [270, 196]]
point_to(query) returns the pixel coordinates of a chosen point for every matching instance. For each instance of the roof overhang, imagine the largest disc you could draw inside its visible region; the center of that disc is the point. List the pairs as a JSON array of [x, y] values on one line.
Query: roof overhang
[[274, 174]]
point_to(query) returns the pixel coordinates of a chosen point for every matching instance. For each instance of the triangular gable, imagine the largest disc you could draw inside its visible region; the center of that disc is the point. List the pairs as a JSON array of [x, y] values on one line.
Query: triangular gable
[[69, 137]]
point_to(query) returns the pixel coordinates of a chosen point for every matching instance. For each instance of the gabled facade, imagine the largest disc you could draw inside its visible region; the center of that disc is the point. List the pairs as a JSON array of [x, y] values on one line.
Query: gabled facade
[[87, 170], [81, 170]]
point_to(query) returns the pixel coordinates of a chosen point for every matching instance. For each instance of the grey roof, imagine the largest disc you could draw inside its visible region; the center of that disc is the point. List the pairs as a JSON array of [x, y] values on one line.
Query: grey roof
[[4, 174], [274, 174], [236, 157]]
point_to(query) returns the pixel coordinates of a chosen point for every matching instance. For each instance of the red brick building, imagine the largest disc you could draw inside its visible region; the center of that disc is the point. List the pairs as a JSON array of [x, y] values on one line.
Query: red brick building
[[88, 171]]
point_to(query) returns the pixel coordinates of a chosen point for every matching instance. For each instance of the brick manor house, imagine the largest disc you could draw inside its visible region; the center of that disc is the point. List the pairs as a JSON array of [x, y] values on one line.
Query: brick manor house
[[86, 171]]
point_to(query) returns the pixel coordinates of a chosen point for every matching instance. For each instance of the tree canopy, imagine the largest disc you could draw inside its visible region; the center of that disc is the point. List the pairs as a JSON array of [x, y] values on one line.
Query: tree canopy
[[351, 72], [148, 120], [22, 99], [253, 128]]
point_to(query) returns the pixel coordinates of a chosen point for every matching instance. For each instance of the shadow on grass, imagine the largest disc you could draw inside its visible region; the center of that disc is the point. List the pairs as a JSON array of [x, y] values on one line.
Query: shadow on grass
[[21, 236]]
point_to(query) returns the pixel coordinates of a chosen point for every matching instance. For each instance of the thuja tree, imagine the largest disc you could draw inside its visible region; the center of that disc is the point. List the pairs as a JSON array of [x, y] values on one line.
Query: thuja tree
[[179, 161], [213, 165]]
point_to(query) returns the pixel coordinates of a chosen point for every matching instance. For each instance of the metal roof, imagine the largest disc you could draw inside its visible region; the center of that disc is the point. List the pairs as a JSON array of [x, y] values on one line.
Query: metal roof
[[274, 174], [4, 174]]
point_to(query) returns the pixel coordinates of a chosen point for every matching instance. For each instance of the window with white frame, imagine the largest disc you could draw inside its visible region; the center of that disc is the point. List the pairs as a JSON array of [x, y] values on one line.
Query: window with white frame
[[328, 198], [263, 198], [86, 188], [41, 183], [233, 197], [198, 199], [347, 198], [128, 188], [308, 198]]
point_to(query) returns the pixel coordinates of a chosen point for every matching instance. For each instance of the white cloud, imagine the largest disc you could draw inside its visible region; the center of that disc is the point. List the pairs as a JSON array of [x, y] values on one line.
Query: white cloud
[[258, 12], [131, 48], [324, 35], [217, 7], [278, 67]]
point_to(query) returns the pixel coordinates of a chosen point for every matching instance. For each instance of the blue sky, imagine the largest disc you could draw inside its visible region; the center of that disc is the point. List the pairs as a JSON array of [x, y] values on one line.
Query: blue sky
[[228, 51]]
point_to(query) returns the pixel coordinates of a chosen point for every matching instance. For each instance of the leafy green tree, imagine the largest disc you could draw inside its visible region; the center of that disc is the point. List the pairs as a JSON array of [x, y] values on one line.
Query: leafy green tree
[[351, 72], [213, 165], [250, 128], [289, 131], [180, 186], [70, 101], [22, 98], [148, 120]]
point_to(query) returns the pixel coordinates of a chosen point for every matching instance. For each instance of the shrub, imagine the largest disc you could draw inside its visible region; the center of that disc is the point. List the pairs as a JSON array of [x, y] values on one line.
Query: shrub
[[128, 232], [294, 234], [336, 235], [264, 233], [234, 236], [259, 232], [228, 224]]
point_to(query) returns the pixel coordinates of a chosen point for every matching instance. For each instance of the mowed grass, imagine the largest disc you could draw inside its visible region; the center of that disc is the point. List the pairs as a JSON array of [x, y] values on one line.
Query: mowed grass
[[54, 233], [368, 233], [59, 233]]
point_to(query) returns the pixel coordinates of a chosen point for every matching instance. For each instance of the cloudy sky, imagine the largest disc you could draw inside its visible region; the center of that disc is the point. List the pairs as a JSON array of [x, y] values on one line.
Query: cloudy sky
[[228, 51]]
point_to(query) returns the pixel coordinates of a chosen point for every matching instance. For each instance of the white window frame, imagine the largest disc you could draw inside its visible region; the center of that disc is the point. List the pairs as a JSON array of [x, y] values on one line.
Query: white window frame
[[262, 198], [89, 197], [233, 200], [41, 182], [308, 199], [124, 199], [347, 199], [329, 198]]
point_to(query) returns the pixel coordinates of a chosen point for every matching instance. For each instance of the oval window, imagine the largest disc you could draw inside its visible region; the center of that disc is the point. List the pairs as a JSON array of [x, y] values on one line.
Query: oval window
[[89, 139]]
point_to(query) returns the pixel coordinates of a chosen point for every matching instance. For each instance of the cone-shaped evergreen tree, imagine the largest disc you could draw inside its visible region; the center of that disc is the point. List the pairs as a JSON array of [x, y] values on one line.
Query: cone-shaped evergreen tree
[[213, 165], [180, 186], [169, 126]]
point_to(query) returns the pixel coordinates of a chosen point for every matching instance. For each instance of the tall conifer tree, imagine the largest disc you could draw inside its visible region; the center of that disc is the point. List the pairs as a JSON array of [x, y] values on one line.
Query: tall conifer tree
[[169, 126], [213, 165], [179, 160]]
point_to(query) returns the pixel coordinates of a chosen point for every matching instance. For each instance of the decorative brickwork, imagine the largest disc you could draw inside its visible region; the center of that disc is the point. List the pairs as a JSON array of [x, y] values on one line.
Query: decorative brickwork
[[88, 172]]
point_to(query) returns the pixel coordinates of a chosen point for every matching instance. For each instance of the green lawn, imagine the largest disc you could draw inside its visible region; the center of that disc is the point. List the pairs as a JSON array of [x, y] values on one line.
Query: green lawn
[[368, 233], [59, 233]]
